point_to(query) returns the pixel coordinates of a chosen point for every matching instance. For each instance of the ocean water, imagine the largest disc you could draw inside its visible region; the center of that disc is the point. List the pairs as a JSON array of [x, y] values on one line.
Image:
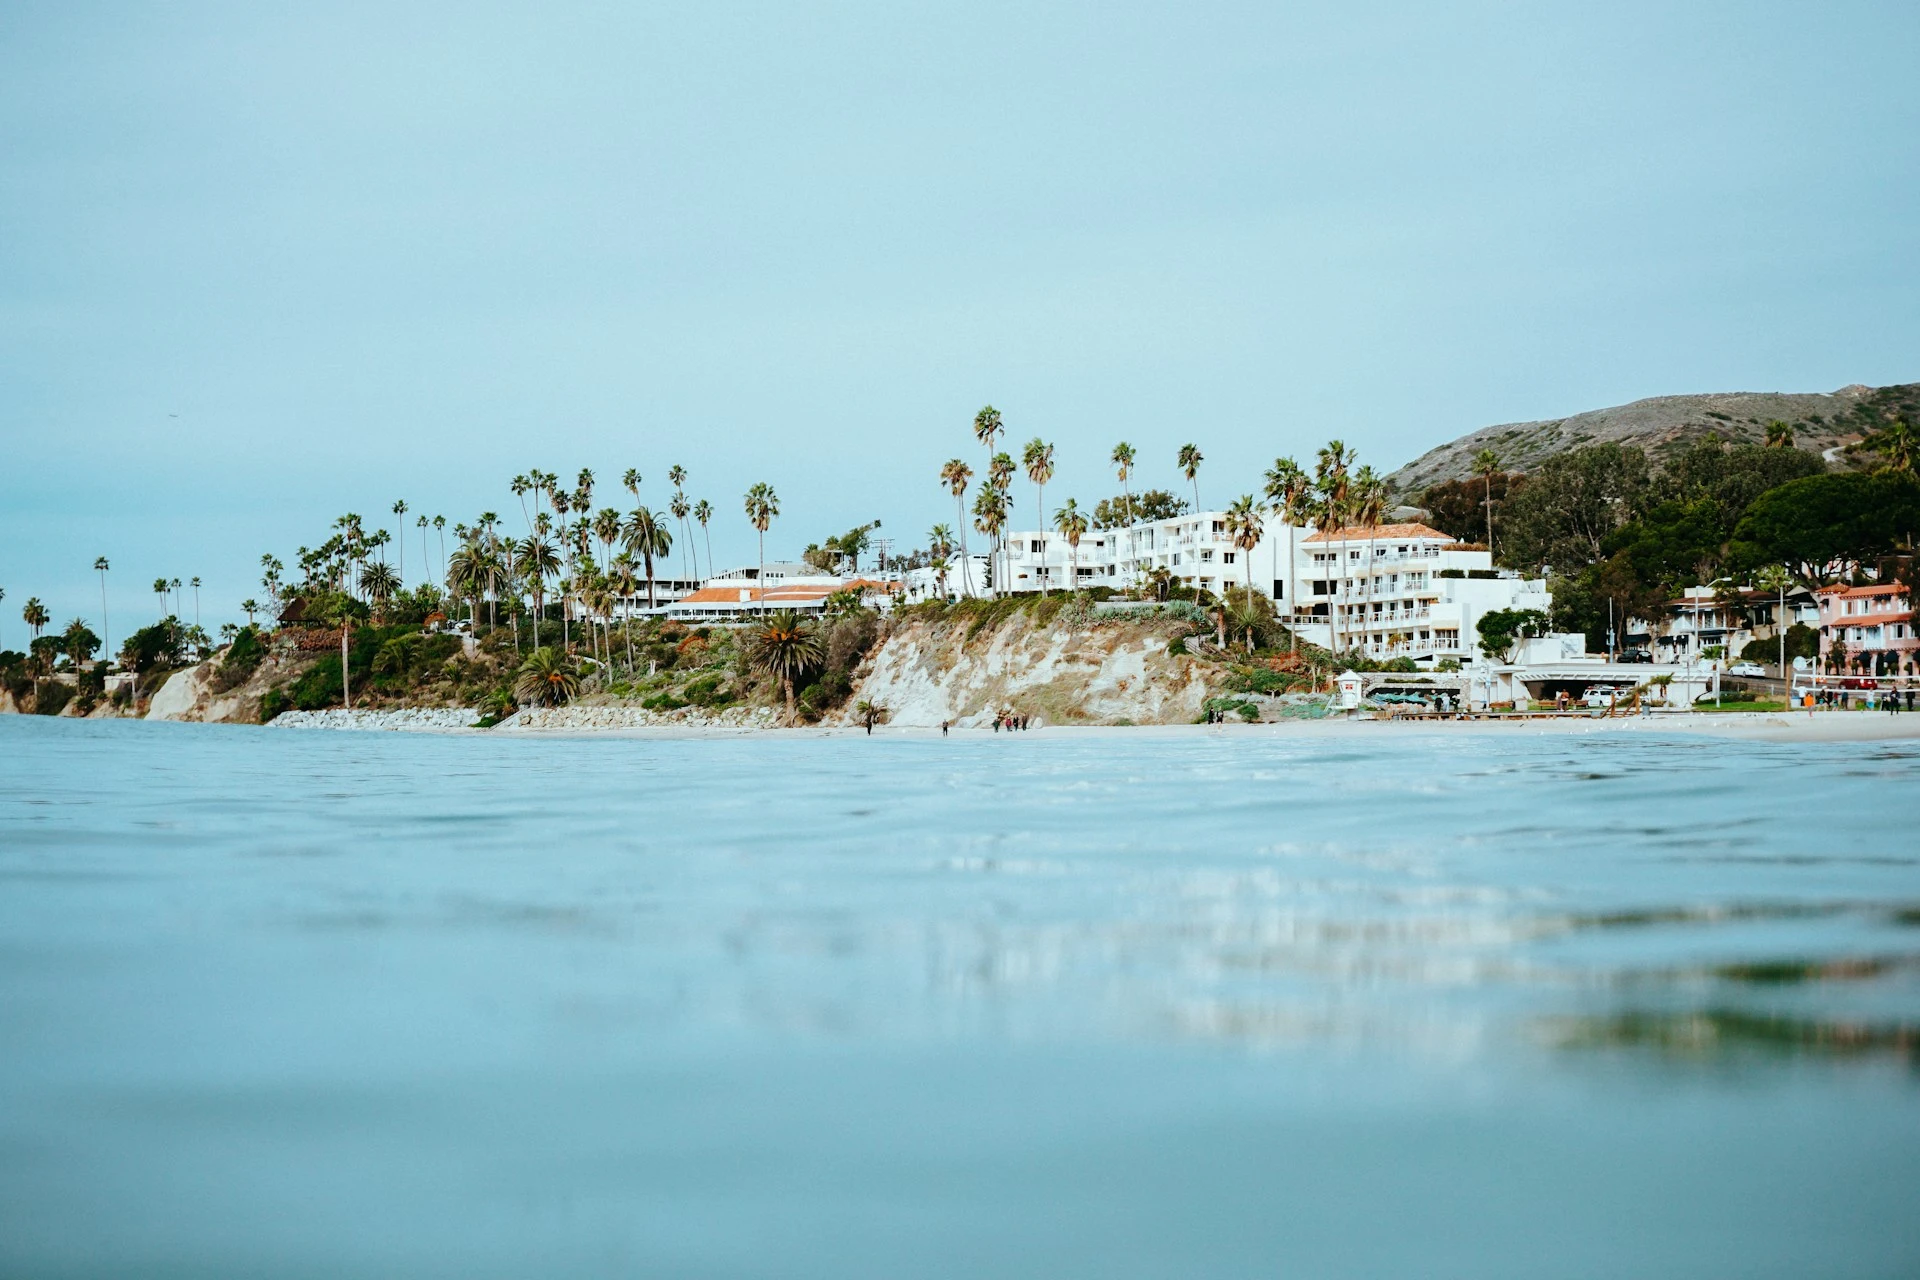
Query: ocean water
[[276, 1003]]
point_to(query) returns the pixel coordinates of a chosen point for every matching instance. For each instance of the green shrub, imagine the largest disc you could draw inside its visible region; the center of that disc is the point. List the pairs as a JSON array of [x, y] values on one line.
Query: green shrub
[[272, 703], [318, 687], [52, 698], [1220, 708]]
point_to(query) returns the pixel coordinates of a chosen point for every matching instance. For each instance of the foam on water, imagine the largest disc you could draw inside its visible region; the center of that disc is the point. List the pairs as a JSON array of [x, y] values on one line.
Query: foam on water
[[1227, 1004]]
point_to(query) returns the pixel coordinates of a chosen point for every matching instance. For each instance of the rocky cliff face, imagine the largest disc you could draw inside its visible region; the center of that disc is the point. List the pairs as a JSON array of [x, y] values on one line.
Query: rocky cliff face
[[1107, 671]]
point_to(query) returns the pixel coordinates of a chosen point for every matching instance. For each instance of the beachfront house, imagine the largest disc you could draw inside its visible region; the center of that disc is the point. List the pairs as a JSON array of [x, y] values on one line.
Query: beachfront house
[[1868, 630], [738, 594]]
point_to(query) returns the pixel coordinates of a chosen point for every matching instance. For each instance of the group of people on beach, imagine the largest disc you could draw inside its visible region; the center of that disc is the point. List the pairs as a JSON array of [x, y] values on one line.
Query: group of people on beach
[[1887, 700], [1009, 721]]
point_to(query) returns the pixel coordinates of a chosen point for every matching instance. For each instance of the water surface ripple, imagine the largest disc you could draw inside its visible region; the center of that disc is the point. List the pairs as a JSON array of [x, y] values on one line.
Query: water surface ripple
[[1217, 1004]]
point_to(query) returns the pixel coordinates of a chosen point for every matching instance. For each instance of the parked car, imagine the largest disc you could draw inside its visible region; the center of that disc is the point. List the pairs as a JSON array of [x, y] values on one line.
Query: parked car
[[1600, 697], [1635, 655], [1746, 669]]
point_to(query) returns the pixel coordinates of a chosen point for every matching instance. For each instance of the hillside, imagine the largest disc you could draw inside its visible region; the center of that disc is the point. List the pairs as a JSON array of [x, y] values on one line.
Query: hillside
[[1661, 425]]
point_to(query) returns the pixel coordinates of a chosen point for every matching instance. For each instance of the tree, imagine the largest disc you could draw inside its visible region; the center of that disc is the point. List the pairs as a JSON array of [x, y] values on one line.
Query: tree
[[101, 566], [987, 427], [1486, 465], [870, 713], [762, 507], [1779, 435], [396, 655], [956, 475], [1291, 493], [1820, 526], [400, 546], [79, 642], [546, 677], [647, 536], [682, 512], [338, 609], [1369, 509], [1888, 419], [1501, 630], [1332, 508], [1189, 459], [1072, 525], [1458, 508], [1245, 527], [702, 513], [990, 518], [1124, 510], [1571, 503], [1037, 458], [939, 547], [250, 606], [1122, 459], [783, 646], [35, 615], [537, 562], [380, 583]]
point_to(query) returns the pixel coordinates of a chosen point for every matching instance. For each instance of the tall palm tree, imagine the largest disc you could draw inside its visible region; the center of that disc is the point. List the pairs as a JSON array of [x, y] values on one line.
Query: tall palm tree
[[440, 527], [606, 527], [1486, 465], [381, 584], [160, 589], [784, 646], [467, 576], [681, 510], [939, 548], [703, 512], [1245, 527], [1123, 460], [631, 482], [1331, 511], [400, 545], [647, 536], [762, 505], [106, 639], [990, 507], [955, 475], [987, 427], [35, 615], [1369, 509], [179, 602], [250, 606], [1071, 522], [1189, 459], [1289, 492], [1037, 458], [195, 584], [625, 582], [537, 561]]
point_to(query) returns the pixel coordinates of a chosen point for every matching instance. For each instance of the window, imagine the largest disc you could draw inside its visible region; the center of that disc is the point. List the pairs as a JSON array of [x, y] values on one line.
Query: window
[[1038, 546], [1206, 557], [1279, 590], [1226, 557]]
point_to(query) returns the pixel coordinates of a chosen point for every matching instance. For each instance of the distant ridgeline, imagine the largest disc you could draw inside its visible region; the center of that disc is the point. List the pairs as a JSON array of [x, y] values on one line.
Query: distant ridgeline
[[1663, 427]]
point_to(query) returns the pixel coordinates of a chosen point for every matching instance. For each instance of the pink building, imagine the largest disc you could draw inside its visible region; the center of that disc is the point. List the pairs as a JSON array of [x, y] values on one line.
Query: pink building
[[1874, 623]]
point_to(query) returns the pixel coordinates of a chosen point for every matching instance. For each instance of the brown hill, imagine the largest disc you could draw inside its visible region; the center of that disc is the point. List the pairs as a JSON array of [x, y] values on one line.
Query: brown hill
[[1661, 425]]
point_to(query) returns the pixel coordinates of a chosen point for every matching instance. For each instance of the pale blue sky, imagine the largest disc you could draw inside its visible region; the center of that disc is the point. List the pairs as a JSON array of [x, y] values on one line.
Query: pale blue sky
[[365, 256]]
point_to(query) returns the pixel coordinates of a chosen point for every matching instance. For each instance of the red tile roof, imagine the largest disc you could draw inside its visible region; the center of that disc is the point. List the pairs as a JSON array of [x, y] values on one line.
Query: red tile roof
[[1385, 532]]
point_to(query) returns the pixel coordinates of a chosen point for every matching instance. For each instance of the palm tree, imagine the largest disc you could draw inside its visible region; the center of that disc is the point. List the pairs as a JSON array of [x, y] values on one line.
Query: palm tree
[[467, 576], [546, 677], [35, 615], [1037, 458], [990, 517], [1369, 509], [955, 475], [987, 428], [1123, 459], [762, 505], [703, 512], [784, 646], [1245, 527], [1289, 491], [647, 536], [1189, 460], [624, 582], [939, 547], [440, 527], [1897, 443], [1332, 491], [160, 589], [538, 562], [681, 509], [1779, 434], [1486, 465], [400, 546], [250, 606], [195, 584], [1071, 522], [396, 655], [380, 583], [606, 527], [631, 482], [106, 640]]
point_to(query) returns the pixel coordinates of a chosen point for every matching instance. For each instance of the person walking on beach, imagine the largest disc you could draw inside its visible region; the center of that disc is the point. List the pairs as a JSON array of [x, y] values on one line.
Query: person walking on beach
[[943, 728]]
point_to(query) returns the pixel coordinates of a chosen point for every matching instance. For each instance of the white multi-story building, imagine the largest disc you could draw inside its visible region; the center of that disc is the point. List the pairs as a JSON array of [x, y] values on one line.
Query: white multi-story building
[[1403, 590], [1190, 549], [965, 576], [1397, 590]]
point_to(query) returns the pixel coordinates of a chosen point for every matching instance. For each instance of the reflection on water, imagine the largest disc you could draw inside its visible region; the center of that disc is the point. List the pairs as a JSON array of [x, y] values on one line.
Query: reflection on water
[[1722, 1034], [1230, 1004]]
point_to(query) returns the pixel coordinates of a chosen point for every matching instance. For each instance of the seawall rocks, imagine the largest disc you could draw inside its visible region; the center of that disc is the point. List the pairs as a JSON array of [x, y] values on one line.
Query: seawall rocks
[[416, 719]]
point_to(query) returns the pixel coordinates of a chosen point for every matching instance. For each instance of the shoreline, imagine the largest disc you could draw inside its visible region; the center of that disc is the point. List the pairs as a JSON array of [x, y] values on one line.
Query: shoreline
[[1819, 726]]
